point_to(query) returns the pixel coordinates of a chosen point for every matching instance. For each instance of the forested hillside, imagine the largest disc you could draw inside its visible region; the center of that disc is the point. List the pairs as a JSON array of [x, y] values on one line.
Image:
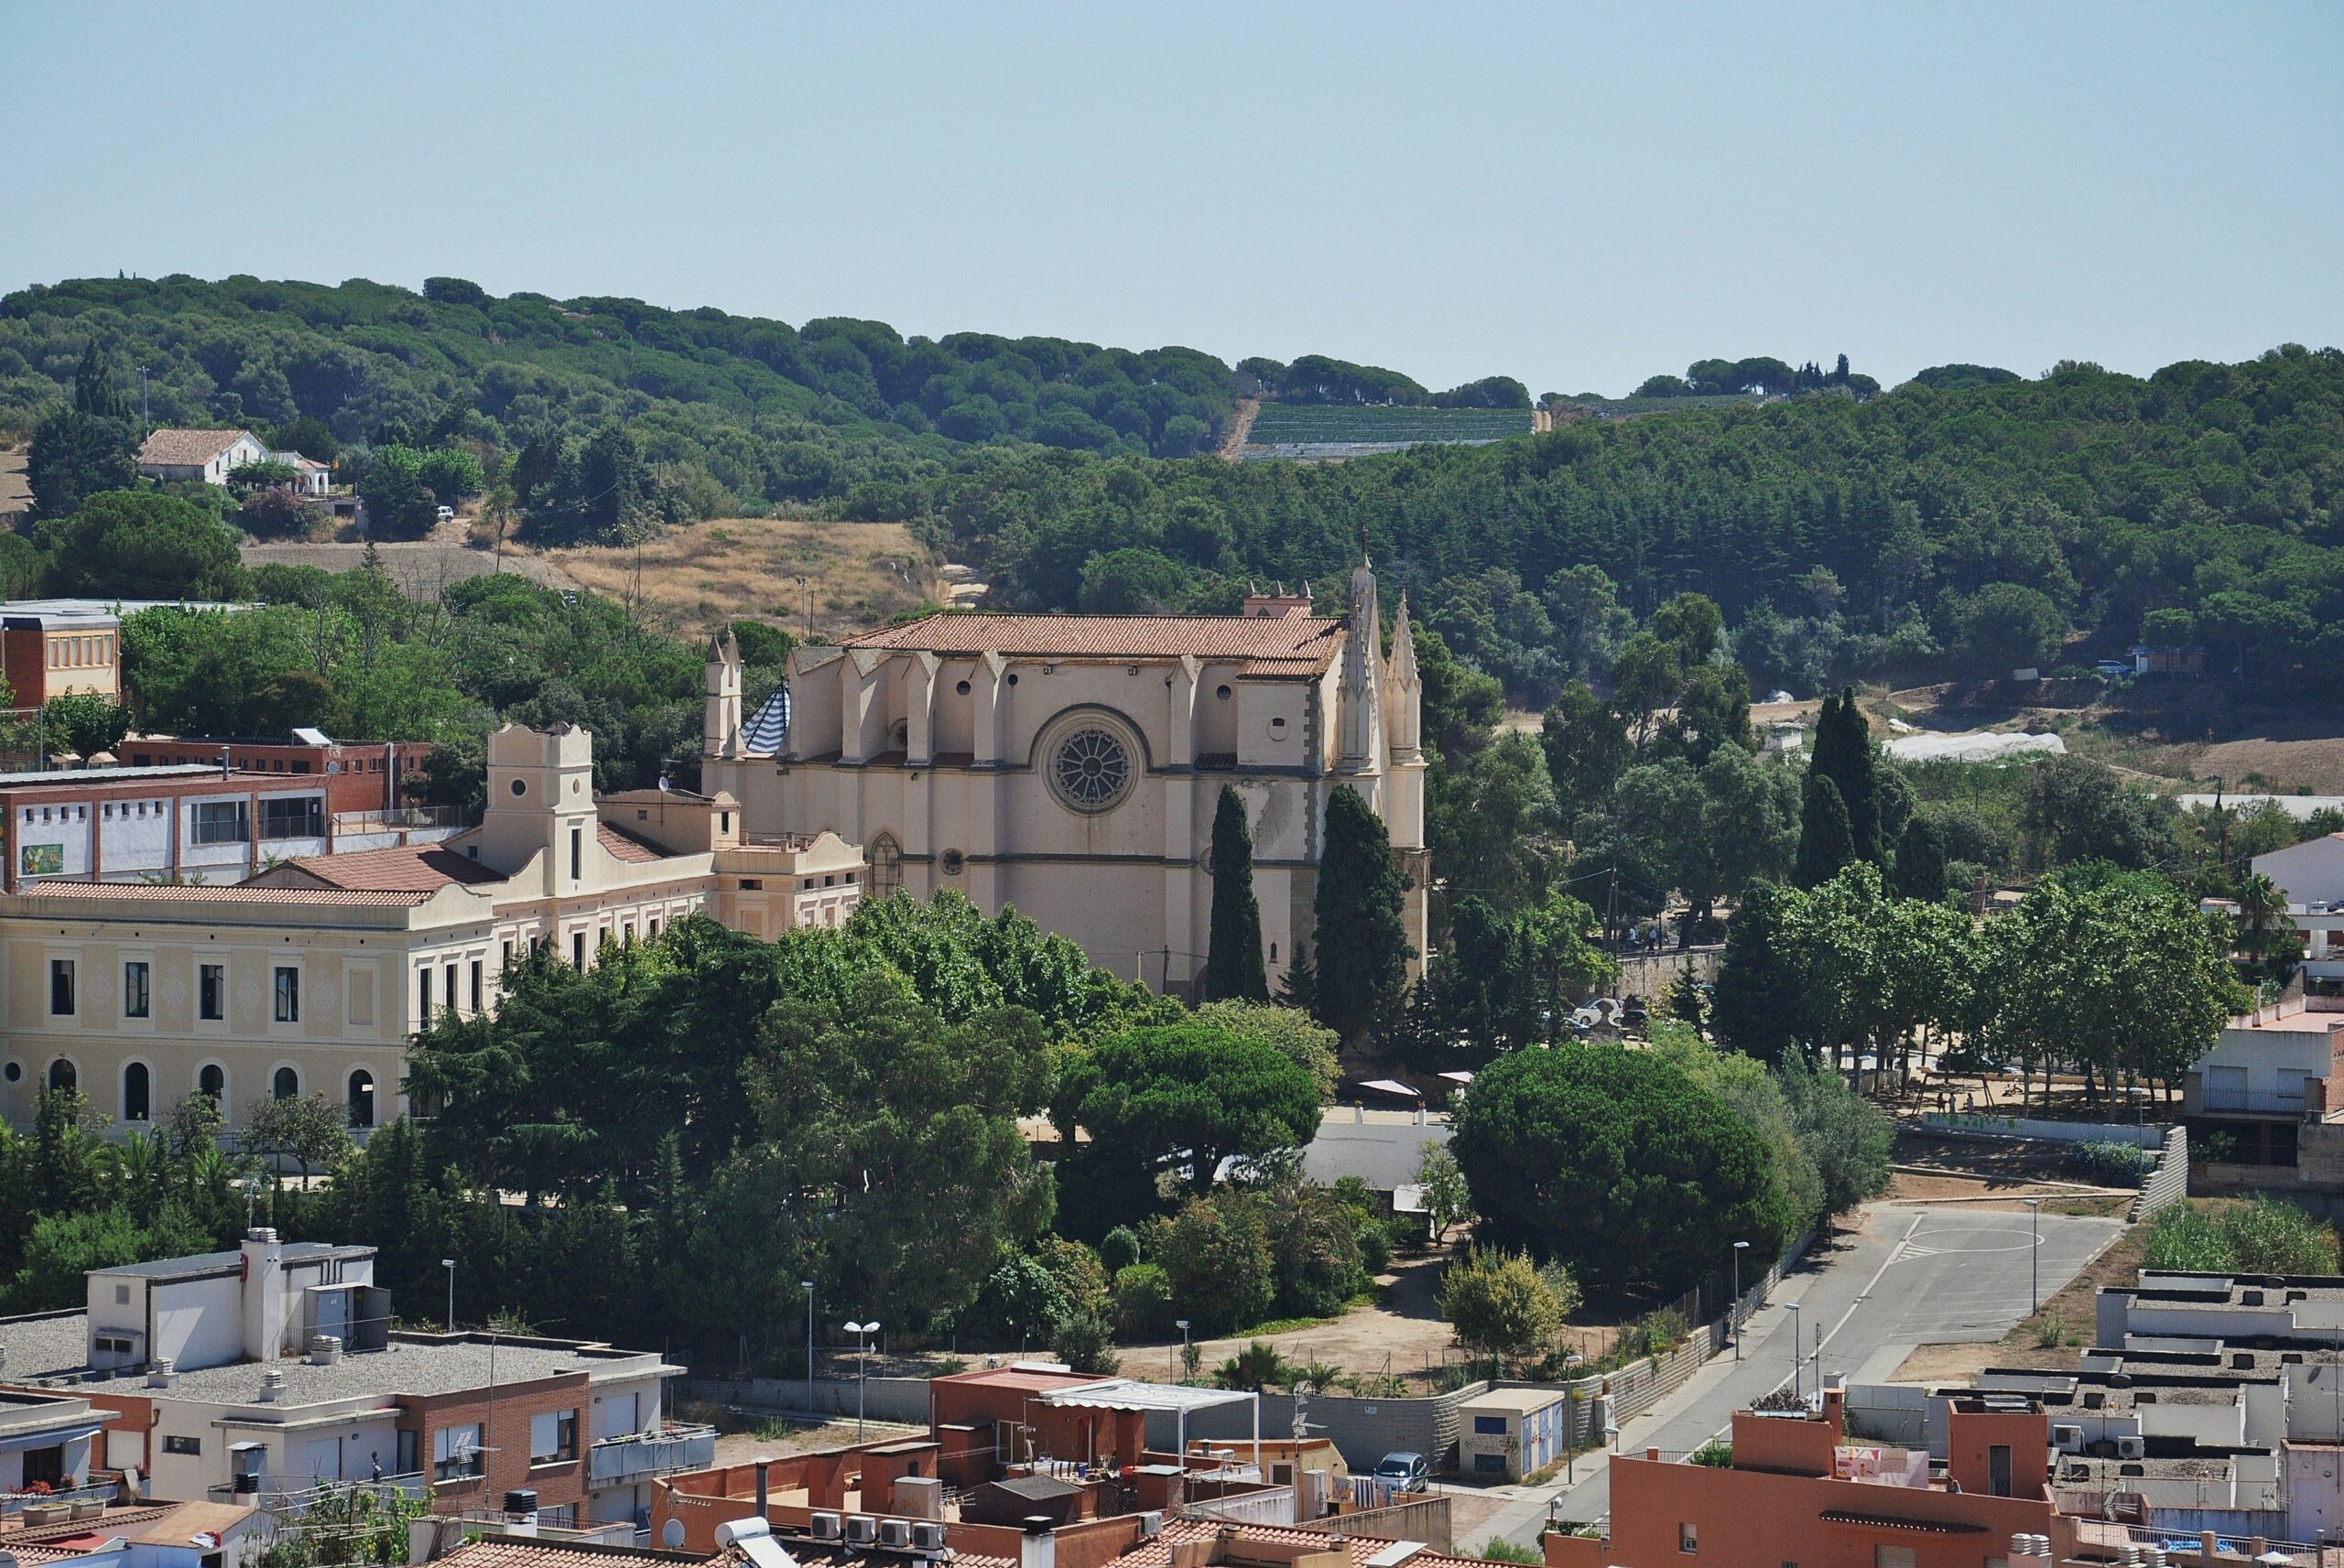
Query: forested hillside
[[1967, 528], [1967, 522]]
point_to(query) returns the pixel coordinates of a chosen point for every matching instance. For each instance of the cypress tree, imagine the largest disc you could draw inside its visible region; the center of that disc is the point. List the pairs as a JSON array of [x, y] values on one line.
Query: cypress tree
[[1234, 969], [1363, 947], [1825, 842], [1843, 755], [1920, 860], [1756, 1011]]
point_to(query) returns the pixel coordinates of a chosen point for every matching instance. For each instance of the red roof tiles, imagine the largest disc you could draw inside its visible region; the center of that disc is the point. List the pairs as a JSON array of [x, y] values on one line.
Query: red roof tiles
[[186, 449], [400, 868], [625, 845], [1268, 644], [191, 893]]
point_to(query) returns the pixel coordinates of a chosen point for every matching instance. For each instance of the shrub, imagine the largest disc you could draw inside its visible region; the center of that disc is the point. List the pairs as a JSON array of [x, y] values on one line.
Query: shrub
[[2110, 1164], [1143, 1301], [1498, 1302], [1500, 1550], [1717, 1453], [1085, 1344]]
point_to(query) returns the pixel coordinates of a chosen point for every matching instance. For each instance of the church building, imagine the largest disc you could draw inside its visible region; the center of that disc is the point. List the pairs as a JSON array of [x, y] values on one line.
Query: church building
[[1070, 765]]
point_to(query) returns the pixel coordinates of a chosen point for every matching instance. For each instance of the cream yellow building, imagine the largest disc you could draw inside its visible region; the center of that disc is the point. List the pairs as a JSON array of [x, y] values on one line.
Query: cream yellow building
[[313, 975], [1071, 766]]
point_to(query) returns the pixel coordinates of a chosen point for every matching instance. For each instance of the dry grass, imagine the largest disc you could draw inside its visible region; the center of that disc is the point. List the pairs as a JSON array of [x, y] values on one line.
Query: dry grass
[[16, 495], [691, 578]]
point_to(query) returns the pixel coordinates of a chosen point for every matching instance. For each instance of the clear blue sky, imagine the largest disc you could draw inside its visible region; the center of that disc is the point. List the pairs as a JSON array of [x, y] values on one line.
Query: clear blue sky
[[1579, 196]]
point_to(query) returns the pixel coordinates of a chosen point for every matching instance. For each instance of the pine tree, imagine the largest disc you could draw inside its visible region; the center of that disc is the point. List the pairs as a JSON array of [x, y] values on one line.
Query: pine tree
[[1234, 969], [84, 450], [1920, 860], [1825, 842], [1362, 946], [1843, 755]]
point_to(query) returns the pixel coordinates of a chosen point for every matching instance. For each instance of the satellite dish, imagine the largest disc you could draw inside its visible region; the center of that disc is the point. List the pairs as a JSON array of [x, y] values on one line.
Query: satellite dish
[[671, 1535]]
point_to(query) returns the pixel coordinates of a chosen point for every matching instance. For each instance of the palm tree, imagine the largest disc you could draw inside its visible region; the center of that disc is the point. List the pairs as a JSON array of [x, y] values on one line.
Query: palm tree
[[2263, 902]]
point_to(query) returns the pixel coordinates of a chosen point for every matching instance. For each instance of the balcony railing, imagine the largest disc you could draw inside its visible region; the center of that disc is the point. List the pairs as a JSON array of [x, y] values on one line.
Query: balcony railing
[[405, 816], [299, 1494], [615, 1460], [2263, 1102], [98, 1492]]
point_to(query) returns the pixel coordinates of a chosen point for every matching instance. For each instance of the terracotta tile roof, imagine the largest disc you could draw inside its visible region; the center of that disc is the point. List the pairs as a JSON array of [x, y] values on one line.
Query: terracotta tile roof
[[625, 845], [31, 1556], [186, 449], [1268, 644], [400, 868], [171, 893], [514, 1551], [1158, 1553]]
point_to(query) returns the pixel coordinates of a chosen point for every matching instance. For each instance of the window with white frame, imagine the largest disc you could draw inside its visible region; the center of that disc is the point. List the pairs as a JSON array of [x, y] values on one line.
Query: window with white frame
[[553, 1437]]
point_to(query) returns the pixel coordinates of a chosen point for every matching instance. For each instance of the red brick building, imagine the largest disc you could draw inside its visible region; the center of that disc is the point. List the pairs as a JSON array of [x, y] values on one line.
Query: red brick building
[[360, 776]]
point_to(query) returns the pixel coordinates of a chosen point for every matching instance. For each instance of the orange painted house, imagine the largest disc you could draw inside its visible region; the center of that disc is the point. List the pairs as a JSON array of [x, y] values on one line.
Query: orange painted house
[[1797, 1494]]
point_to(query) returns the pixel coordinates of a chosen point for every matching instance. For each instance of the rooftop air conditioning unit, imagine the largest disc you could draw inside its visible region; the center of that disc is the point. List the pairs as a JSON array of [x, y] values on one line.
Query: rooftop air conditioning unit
[[927, 1535], [1151, 1524], [896, 1533], [862, 1529], [2068, 1439], [2132, 1448], [825, 1526]]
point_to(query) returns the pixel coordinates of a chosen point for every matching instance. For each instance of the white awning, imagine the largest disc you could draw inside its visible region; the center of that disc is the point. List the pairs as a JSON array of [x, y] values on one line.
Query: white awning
[[1460, 1077], [1131, 1394], [1391, 1086]]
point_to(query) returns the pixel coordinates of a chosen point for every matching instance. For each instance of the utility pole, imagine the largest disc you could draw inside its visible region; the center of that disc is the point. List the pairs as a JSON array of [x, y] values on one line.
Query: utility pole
[[142, 400], [1612, 909], [2222, 822]]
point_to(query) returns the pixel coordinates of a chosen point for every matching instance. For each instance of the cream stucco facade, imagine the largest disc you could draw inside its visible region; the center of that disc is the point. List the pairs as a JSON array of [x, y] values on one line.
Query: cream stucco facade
[[314, 974], [1069, 766]]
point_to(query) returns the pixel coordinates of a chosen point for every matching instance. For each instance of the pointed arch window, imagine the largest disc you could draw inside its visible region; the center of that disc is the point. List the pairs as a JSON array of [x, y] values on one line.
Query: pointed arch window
[[887, 865]]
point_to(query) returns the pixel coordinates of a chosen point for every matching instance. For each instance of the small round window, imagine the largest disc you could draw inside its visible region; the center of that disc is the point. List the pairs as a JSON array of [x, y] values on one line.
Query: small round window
[[1222, 692], [1277, 728], [520, 786], [1090, 770], [962, 687], [953, 862]]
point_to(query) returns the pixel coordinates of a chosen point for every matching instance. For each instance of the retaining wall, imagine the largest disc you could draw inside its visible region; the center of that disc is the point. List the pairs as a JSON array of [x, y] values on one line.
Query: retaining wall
[[2169, 1181], [1978, 1124], [899, 1399]]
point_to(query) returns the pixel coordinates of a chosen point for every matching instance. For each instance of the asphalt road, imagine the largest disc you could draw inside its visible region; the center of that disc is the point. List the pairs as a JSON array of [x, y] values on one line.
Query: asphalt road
[[1912, 1276]]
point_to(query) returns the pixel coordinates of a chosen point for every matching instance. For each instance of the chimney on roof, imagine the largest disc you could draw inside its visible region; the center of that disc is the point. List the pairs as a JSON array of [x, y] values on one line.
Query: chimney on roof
[[1037, 1544], [763, 1466]]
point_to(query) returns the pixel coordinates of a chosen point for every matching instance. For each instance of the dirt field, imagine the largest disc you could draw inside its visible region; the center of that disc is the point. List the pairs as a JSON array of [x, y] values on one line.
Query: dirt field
[[423, 568], [860, 573], [2188, 732], [16, 495]]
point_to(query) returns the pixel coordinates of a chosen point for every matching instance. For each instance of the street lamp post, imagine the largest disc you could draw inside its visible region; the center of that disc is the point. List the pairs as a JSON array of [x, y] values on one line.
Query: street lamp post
[[2034, 1255], [1733, 1306], [1798, 1391], [862, 1331], [808, 1284], [449, 1264]]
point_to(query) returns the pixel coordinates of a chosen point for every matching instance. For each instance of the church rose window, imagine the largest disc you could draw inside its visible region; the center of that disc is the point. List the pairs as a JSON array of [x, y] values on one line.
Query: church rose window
[[1090, 770]]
